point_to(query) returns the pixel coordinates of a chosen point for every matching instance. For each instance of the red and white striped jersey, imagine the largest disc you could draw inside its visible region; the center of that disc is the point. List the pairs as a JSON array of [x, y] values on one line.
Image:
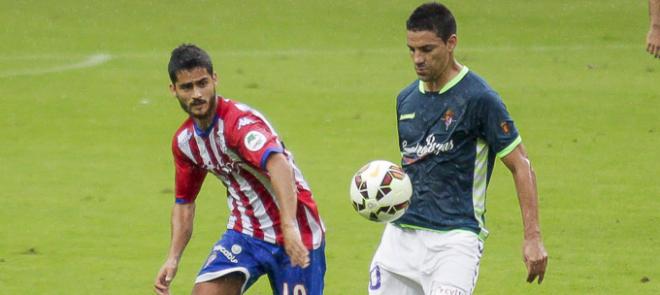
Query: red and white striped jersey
[[235, 149]]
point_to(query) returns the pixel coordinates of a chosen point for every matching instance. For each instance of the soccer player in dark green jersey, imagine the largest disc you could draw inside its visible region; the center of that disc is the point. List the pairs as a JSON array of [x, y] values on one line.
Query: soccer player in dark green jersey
[[452, 126]]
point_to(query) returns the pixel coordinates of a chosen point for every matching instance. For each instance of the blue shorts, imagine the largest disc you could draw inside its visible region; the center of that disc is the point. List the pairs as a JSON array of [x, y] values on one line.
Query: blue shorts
[[236, 252]]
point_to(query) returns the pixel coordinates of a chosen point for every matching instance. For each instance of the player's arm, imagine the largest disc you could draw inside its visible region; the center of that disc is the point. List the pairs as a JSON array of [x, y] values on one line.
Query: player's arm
[[534, 254], [187, 183], [281, 176], [182, 226], [653, 37]]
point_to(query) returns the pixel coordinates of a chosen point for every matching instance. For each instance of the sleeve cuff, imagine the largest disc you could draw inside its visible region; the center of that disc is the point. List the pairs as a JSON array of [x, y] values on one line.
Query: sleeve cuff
[[181, 201], [267, 153], [507, 150]]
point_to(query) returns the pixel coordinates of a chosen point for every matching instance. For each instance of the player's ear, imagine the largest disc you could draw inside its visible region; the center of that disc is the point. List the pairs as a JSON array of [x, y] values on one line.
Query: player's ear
[[215, 78], [452, 42], [173, 89]]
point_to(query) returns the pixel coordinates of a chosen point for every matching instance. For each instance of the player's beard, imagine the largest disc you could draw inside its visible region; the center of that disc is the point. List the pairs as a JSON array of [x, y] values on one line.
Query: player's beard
[[209, 112]]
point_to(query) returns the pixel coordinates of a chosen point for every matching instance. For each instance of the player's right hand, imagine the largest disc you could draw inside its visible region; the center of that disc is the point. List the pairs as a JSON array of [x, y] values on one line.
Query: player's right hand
[[165, 276], [294, 247]]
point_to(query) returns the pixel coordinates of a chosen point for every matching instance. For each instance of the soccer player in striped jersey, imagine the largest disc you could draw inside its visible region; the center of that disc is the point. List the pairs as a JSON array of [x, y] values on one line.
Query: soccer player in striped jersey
[[274, 226], [451, 125]]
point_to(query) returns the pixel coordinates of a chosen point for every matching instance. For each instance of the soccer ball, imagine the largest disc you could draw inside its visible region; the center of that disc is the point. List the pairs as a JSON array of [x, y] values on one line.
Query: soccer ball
[[380, 191]]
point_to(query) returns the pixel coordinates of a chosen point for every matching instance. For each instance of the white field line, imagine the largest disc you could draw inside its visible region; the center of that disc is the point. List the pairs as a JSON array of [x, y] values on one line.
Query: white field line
[[101, 58], [392, 51], [90, 61]]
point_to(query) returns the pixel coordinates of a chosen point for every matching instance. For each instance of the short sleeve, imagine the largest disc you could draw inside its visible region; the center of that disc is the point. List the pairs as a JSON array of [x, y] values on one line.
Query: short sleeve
[[188, 176], [496, 125], [254, 140]]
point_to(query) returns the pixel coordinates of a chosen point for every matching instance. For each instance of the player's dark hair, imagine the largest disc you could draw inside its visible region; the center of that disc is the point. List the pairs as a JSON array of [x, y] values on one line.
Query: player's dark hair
[[188, 57], [433, 17]]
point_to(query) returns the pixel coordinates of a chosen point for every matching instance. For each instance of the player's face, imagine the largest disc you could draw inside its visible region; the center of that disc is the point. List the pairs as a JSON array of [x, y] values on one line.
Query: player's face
[[430, 55], [195, 90]]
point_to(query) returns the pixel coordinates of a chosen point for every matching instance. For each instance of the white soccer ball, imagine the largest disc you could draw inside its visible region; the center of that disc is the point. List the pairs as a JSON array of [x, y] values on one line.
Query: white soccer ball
[[380, 191]]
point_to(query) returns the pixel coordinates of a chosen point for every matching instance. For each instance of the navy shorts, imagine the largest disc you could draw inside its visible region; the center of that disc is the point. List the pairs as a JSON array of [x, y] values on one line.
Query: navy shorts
[[236, 252]]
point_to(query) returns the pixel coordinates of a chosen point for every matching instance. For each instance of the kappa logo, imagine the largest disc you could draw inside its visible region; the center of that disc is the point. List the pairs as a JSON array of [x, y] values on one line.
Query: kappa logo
[[254, 140], [230, 256], [242, 122]]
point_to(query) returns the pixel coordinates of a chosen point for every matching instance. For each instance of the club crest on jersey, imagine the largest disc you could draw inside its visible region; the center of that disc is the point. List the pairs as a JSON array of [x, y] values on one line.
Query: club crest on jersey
[[254, 141], [448, 118]]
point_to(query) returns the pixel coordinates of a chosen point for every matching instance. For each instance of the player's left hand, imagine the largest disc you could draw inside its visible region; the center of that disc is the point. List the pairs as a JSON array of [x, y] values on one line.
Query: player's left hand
[[653, 41], [294, 247], [536, 259]]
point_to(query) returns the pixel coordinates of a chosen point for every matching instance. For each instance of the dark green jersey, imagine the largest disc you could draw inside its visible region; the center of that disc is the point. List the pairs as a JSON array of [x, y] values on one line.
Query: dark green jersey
[[448, 141]]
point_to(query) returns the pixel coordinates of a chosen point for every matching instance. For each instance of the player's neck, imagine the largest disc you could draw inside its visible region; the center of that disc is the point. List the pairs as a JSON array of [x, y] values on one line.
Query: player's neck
[[453, 69], [203, 123]]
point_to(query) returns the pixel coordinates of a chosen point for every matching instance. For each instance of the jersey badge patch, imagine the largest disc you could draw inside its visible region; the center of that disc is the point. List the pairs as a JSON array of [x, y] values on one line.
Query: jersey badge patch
[[505, 127], [254, 141], [236, 249], [448, 118]]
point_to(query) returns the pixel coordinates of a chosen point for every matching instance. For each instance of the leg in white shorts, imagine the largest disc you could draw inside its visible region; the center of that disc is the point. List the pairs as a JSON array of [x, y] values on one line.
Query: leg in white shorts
[[419, 262]]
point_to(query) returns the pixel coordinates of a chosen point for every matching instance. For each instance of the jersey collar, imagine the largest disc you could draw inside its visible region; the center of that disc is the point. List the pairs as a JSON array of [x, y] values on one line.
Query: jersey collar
[[204, 133], [449, 84]]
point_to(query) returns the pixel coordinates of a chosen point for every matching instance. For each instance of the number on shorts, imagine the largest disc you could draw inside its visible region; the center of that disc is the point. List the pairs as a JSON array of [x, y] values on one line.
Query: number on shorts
[[298, 289], [374, 278]]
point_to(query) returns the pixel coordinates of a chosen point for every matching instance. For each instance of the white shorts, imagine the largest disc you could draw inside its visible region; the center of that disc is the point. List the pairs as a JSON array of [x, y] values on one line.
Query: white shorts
[[416, 262]]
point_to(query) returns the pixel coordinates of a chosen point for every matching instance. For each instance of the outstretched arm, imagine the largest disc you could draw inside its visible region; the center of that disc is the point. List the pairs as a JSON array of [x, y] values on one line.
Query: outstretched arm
[[182, 226], [653, 37], [281, 176], [534, 254]]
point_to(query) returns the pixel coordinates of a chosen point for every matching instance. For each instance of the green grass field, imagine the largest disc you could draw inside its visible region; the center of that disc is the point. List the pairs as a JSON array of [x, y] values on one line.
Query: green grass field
[[86, 171]]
